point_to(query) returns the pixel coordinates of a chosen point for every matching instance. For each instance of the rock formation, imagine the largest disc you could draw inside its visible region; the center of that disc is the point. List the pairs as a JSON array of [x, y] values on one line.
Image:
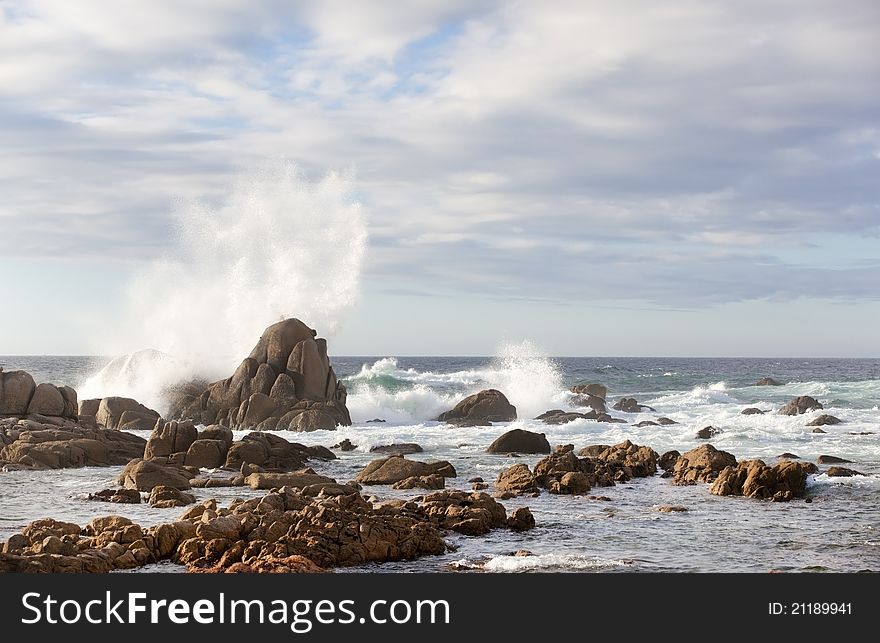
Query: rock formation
[[396, 468], [825, 420], [520, 441], [488, 406], [592, 395], [630, 405], [20, 397], [800, 405], [702, 464], [28, 444], [284, 530], [122, 413], [754, 479], [286, 383]]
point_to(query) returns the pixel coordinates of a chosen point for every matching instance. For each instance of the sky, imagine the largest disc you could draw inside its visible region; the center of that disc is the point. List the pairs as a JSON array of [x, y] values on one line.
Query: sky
[[697, 178]]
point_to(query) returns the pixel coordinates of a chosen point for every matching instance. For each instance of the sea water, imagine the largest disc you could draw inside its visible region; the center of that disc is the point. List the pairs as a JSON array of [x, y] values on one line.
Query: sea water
[[839, 530]]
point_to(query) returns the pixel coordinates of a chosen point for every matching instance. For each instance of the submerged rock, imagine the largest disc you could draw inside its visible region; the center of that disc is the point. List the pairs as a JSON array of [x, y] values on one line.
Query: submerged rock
[[121, 496], [825, 420], [831, 459], [707, 432], [345, 445], [630, 405], [489, 405], [767, 381], [752, 411], [402, 448], [842, 472]]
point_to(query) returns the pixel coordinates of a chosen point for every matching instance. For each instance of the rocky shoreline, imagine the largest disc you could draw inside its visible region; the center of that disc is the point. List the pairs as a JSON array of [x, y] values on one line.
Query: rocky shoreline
[[306, 521]]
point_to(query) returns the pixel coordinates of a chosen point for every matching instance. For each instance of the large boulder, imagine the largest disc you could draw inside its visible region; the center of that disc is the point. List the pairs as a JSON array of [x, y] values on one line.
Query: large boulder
[[46, 400], [295, 479], [286, 383], [800, 405], [269, 451], [397, 468], [489, 405], [516, 480], [143, 475], [754, 479], [45, 446], [206, 454], [126, 414], [170, 437], [16, 390], [520, 441], [162, 497], [702, 464]]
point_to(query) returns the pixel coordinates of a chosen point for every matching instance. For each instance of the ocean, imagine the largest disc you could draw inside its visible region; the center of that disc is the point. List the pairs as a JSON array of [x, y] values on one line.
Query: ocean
[[838, 531]]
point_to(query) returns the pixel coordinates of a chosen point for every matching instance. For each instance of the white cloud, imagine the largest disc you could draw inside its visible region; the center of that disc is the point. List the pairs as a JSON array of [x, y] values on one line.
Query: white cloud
[[527, 143]]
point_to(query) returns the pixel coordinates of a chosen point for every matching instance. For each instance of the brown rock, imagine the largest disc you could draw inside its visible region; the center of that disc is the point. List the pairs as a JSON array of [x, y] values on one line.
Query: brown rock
[[404, 448], [122, 496], [432, 481], [206, 454], [752, 411], [521, 520], [842, 472], [170, 437], [472, 514], [125, 413], [671, 509], [16, 390], [490, 405], [825, 420], [754, 479], [516, 479], [268, 451], [143, 475], [46, 400], [630, 405], [667, 462], [664, 421], [162, 497], [702, 464], [800, 405], [396, 468], [345, 445], [520, 441], [831, 459], [286, 383], [707, 432], [297, 479]]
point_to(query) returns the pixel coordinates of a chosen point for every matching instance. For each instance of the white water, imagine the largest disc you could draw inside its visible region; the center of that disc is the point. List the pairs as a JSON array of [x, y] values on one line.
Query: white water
[[279, 246], [530, 380]]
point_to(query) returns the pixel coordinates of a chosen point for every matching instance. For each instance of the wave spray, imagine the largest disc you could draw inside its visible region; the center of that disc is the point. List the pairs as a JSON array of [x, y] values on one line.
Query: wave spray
[[279, 246]]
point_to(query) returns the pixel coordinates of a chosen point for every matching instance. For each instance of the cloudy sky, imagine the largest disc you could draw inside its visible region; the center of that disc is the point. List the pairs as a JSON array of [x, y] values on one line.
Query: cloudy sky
[[602, 178]]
